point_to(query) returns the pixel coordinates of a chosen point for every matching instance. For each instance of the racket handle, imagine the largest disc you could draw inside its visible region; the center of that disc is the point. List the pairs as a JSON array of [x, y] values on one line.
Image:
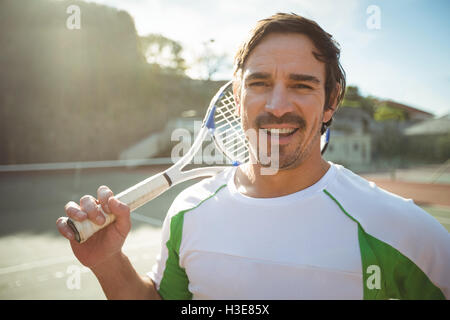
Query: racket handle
[[133, 197]]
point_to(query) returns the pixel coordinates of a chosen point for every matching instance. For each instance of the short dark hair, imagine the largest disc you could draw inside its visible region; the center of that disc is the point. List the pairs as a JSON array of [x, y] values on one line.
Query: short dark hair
[[329, 50]]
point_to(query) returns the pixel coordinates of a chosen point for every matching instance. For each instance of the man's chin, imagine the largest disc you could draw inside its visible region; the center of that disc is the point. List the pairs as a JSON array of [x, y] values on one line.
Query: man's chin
[[285, 163]]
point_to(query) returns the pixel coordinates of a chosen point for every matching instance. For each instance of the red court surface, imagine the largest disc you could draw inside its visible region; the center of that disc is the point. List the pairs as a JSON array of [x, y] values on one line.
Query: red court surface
[[421, 193]]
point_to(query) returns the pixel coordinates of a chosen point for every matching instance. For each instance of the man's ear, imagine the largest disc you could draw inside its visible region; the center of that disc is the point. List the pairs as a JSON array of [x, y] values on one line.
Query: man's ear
[[332, 108]]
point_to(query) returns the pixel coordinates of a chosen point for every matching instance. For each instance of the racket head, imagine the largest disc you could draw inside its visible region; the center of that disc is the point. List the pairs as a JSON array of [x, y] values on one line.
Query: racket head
[[324, 140], [225, 126]]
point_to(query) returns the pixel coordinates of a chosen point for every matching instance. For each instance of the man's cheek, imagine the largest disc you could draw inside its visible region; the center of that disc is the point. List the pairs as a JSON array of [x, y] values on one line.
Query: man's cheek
[[312, 100]]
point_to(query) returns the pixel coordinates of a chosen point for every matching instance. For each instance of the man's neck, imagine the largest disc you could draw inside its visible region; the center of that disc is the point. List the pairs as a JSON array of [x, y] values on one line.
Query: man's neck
[[250, 182]]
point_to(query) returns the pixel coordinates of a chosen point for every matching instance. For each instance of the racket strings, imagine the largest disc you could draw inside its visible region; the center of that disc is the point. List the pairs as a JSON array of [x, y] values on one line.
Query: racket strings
[[229, 133]]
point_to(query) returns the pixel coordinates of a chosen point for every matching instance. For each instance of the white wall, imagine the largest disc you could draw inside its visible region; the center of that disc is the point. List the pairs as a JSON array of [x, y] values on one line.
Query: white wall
[[349, 149]]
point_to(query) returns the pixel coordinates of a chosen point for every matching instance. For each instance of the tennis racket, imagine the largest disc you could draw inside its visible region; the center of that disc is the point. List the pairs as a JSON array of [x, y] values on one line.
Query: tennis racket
[[223, 124]]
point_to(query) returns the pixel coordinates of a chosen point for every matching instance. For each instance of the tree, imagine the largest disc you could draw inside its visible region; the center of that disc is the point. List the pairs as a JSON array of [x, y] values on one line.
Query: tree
[[209, 61], [163, 52], [352, 93], [353, 98], [384, 112]]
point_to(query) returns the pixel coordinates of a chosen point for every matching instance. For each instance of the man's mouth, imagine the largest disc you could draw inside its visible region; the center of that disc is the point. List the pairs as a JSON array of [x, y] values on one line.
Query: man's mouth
[[281, 132]]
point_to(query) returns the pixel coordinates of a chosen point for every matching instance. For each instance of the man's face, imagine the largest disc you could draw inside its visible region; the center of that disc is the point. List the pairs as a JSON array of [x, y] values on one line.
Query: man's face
[[283, 90]]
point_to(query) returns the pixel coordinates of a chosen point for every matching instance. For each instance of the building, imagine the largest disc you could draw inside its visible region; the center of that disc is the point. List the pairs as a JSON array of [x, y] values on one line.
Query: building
[[430, 139], [350, 138], [430, 127]]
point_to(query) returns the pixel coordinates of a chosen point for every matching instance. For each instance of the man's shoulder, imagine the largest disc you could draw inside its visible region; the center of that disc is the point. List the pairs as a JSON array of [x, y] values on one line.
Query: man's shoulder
[[356, 191], [390, 218], [375, 207], [194, 195]]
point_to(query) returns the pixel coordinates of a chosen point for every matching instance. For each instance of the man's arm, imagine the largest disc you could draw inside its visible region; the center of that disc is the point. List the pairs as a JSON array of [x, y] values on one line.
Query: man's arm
[[119, 280]]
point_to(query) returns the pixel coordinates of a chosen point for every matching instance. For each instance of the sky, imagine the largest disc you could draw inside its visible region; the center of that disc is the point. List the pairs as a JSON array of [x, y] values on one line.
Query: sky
[[397, 50]]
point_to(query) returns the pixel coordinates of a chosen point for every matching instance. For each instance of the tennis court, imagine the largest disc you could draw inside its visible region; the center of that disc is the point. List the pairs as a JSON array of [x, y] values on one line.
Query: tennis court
[[36, 263]]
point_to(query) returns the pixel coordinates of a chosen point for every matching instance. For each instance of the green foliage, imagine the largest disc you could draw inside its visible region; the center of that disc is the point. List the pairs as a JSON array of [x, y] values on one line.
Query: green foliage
[[350, 103], [163, 53], [353, 98], [352, 93], [384, 112], [209, 61], [368, 105]]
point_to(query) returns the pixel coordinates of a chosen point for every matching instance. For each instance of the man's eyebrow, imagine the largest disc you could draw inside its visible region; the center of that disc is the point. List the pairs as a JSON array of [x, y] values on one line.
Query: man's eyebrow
[[303, 77], [292, 76], [257, 75]]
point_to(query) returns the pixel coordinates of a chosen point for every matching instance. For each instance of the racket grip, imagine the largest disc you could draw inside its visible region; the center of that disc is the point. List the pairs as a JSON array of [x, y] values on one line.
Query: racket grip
[[85, 229], [133, 197]]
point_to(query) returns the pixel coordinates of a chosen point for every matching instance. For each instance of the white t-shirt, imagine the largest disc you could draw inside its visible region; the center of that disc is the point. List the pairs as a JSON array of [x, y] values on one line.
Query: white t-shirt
[[341, 238]]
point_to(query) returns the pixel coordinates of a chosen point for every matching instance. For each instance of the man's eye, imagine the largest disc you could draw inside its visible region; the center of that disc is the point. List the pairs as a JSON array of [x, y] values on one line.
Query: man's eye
[[257, 84], [301, 86]]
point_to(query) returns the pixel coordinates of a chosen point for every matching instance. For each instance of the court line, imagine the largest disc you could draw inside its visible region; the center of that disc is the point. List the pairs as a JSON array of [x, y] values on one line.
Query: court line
[[65, 259], [84, 165], [149, 220], [96, 164], [36, 264]]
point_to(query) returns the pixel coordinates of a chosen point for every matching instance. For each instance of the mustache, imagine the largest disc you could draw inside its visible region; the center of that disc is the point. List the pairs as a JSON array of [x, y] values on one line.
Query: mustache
[[287, 118]]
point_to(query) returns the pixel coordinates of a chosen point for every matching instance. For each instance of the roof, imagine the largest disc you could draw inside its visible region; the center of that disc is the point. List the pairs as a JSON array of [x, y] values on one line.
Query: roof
[[406, 108], [430, 127]]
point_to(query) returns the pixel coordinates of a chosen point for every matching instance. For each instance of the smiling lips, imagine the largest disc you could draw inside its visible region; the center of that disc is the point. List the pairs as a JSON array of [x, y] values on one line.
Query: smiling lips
[[285, 127], [281, 131], [285, 132]]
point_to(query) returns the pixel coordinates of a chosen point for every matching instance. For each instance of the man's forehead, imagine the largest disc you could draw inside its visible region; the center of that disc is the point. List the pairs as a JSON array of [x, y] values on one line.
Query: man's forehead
[[289, 53]]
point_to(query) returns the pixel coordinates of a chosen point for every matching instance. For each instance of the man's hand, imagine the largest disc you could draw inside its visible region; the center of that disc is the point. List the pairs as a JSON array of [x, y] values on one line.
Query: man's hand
[[102, 252], [105, 244]]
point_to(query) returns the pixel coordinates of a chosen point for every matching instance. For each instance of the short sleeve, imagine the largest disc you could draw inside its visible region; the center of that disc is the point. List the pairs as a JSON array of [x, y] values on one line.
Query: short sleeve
[[169, 277]]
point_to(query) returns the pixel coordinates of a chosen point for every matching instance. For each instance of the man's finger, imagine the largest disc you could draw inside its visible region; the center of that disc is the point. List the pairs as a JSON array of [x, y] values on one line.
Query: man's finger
[[73, 211], [89, 205], [117, 207], [103, 194], [64, 229], [122, 213]]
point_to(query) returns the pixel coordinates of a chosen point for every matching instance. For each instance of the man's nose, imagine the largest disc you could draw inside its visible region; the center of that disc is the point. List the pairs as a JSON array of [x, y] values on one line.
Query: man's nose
[[278, 102]]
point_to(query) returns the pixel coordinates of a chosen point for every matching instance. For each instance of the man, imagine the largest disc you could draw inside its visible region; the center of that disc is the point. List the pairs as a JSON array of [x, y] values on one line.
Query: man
[[313, 230]]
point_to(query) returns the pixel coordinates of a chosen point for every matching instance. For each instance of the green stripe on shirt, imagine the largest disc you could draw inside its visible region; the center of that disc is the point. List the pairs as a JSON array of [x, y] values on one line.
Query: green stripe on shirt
[[174, 283]]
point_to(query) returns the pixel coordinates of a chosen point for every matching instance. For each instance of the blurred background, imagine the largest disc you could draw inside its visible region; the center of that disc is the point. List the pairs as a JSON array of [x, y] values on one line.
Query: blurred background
[[91, 92]]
